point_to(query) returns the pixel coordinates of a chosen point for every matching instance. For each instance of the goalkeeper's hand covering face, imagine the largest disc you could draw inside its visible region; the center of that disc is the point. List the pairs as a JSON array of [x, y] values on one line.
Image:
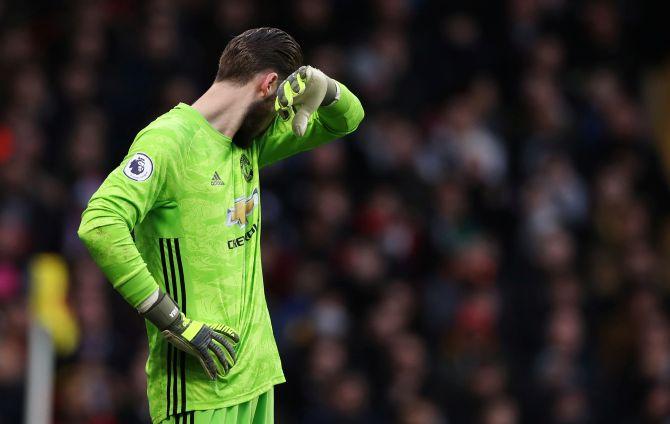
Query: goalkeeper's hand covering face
[[302, 93], [210, 343]]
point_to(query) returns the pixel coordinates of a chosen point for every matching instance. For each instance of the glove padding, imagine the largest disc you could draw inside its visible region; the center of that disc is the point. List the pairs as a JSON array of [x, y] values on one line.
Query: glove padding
[[301, 94], [201, 340], [196, 338]]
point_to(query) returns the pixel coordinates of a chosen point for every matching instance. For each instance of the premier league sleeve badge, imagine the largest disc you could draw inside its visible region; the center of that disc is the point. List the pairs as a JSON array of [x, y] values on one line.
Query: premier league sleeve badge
[[139, 167]]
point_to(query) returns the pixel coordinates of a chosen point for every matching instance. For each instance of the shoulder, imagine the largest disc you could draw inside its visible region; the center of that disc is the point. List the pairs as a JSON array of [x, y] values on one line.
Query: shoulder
[[168, 135]]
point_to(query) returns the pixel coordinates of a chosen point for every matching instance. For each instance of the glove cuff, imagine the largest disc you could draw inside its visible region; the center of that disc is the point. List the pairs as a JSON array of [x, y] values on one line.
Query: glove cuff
[[332, 93], [164, 313]]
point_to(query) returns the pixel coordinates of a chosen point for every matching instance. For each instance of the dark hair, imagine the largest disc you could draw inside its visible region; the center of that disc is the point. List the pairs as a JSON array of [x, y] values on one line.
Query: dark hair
[[256, 50]]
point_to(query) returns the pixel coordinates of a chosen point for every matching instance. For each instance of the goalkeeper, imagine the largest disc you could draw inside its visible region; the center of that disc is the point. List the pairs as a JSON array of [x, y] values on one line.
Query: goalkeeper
[[189, 190]]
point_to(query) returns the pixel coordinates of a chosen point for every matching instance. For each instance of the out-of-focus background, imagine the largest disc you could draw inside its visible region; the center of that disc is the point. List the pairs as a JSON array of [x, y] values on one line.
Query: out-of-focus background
[[491, 246]]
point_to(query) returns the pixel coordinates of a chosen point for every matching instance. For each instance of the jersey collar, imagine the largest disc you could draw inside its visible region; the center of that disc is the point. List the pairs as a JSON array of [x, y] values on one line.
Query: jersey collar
[[197, 116]]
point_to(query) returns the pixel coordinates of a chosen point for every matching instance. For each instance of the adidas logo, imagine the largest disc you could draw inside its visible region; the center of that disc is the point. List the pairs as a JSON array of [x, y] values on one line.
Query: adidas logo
[[216, 180]]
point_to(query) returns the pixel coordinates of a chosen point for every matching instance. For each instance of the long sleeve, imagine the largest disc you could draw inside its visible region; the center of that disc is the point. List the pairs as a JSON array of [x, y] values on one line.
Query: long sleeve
[[327, 123], [123, 200]]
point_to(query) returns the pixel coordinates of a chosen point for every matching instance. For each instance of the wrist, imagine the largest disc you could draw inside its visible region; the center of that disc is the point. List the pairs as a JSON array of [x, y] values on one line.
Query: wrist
[[150, 301], [163, 313], [332, 92], [340, 107]]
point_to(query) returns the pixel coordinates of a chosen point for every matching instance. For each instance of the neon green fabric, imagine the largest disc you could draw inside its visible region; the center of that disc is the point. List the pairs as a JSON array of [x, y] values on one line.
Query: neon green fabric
[[192, 199], [256, 411]]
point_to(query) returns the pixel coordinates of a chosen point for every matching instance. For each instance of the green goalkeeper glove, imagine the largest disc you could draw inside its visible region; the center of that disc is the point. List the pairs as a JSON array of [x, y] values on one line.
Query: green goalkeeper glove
[[302, 93], [193, 337]]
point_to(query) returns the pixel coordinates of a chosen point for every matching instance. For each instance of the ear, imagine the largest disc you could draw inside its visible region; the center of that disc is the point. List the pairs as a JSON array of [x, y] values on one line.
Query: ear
[[269, 84]]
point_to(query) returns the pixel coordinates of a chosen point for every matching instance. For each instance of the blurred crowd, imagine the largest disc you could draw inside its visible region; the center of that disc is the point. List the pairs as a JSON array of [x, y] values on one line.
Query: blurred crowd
[[491, 246]]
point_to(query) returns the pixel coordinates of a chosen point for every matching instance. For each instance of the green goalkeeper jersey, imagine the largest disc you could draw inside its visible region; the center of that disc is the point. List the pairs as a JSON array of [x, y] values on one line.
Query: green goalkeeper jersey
[[192, 201]]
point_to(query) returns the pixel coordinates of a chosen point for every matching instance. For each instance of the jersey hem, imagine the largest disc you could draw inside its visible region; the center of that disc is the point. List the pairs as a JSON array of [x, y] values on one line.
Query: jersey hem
[[204, 406]]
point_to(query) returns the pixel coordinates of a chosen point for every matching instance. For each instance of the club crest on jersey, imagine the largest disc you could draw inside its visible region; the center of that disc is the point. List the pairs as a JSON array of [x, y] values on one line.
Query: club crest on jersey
[[139, 167], [247, 169], [242, 208]]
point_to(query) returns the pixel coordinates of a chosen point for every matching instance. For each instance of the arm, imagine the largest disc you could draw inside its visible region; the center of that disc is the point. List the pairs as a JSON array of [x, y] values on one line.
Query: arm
[[123, 200], [333, 119]]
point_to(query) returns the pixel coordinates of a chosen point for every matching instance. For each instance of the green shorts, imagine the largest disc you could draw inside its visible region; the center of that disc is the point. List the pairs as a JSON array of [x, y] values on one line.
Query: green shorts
[[256, 411]]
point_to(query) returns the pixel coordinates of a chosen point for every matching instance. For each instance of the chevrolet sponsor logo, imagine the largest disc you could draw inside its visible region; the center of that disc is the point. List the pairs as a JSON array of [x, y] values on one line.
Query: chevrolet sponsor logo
[[242, 208], [240, 241]]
